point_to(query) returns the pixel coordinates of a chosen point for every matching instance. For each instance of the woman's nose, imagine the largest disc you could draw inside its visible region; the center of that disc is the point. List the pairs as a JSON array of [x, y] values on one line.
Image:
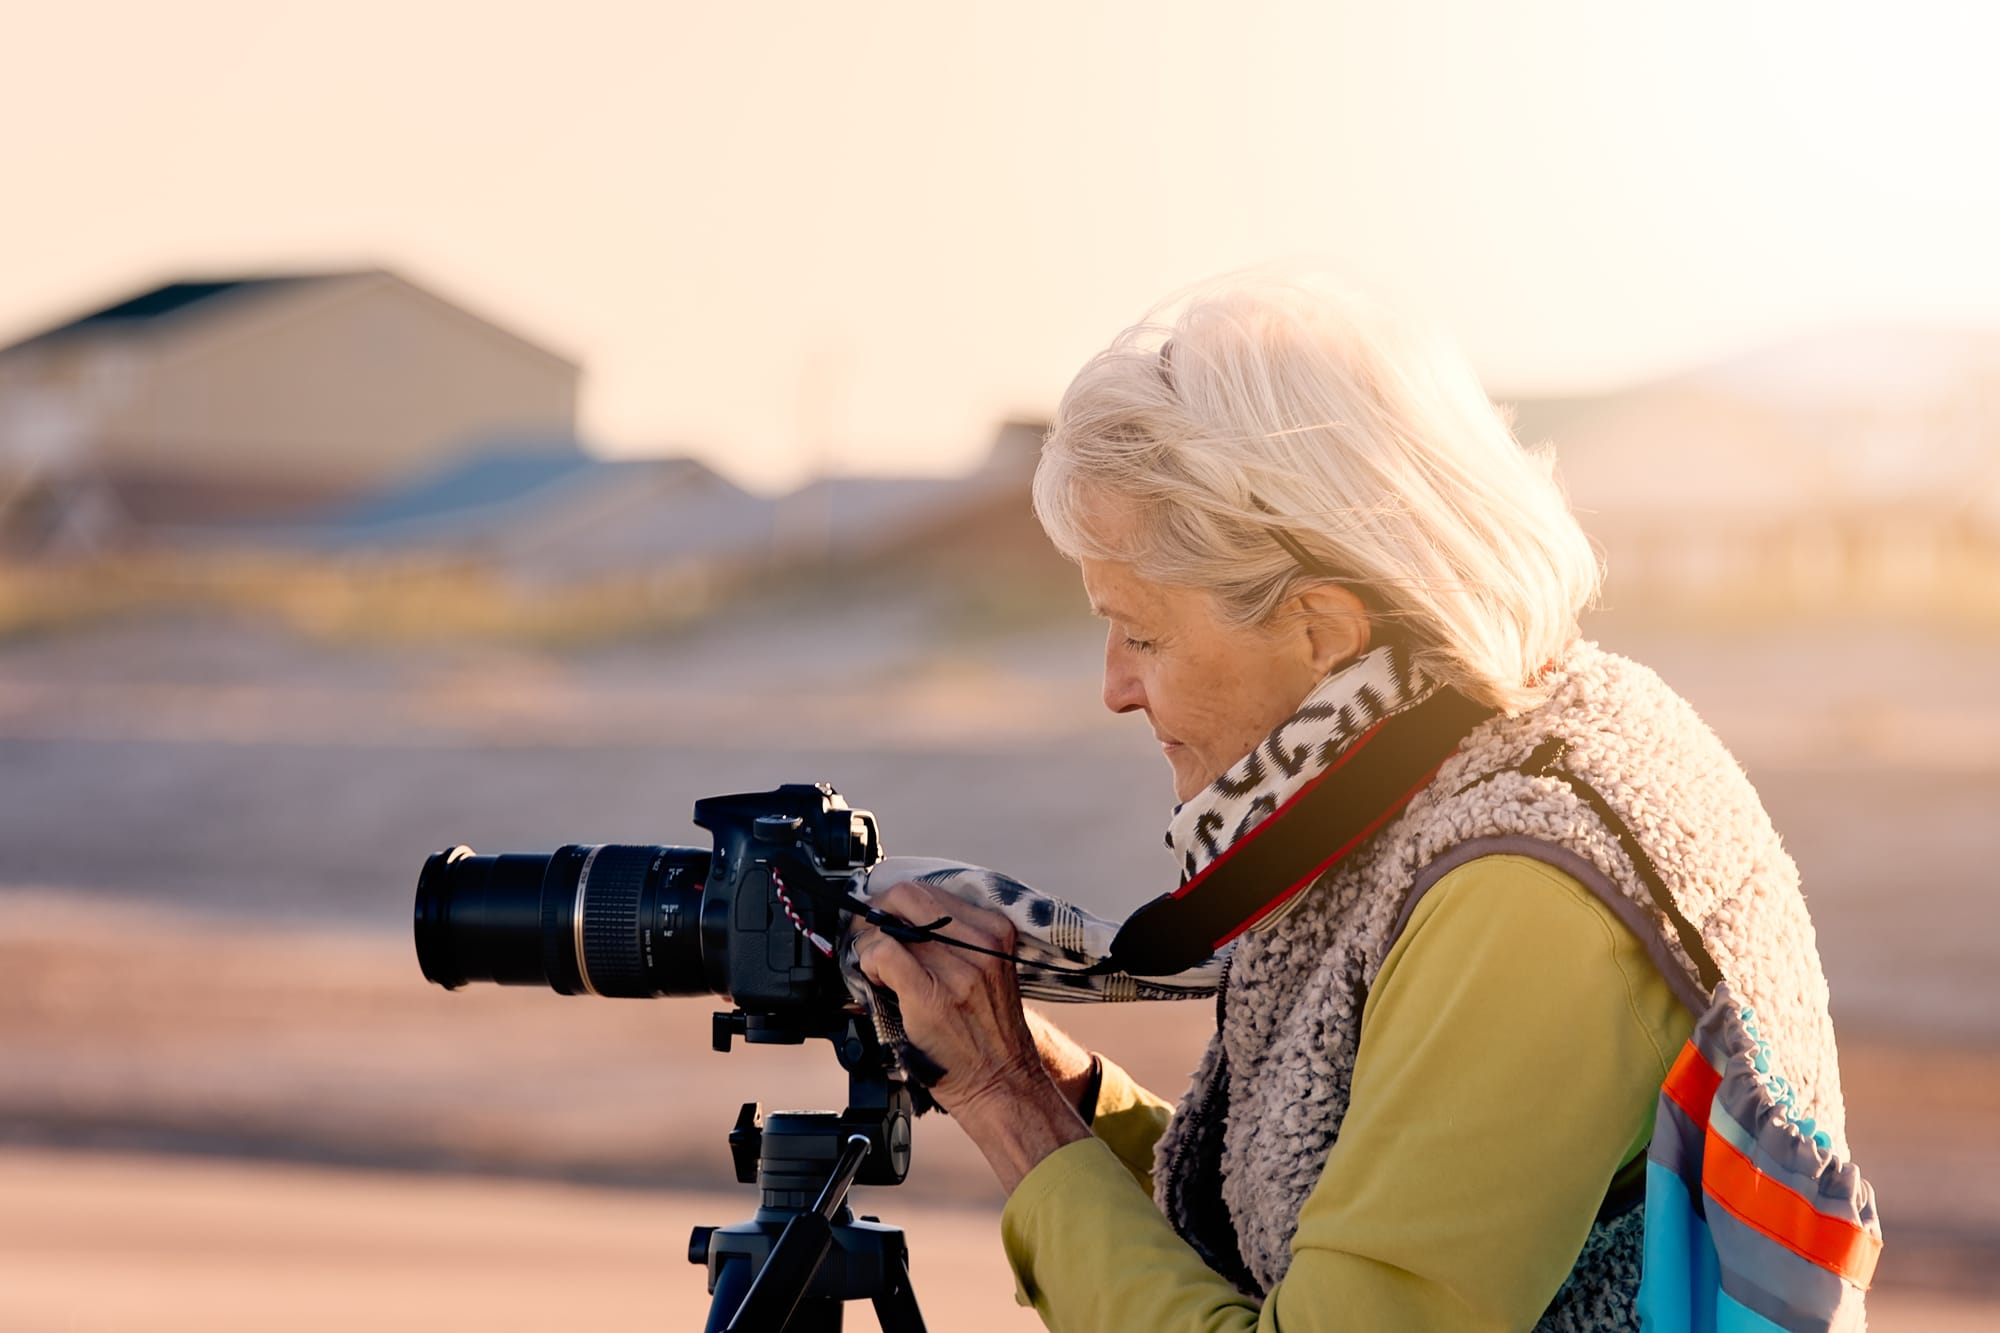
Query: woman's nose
[[1122, 689]]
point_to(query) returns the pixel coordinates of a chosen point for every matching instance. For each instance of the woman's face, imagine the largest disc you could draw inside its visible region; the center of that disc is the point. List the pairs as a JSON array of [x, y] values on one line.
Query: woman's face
[[1210, 690]]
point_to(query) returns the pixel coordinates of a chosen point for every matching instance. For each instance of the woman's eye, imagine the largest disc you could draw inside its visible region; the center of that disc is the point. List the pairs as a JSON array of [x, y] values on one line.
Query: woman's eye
[[1139, 645]]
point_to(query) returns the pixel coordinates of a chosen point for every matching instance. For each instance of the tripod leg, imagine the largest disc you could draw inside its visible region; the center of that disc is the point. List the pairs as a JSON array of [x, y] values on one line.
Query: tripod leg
[[732, 1284], [816, 1315], [896, 1309]]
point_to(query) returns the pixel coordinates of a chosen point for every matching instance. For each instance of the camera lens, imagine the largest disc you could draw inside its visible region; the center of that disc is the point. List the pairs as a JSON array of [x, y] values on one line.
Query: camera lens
[[615, 919]]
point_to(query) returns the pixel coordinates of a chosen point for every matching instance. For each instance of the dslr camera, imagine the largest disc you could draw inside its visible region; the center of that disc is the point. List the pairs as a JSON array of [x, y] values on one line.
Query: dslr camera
[[625, 920], [754, 920]]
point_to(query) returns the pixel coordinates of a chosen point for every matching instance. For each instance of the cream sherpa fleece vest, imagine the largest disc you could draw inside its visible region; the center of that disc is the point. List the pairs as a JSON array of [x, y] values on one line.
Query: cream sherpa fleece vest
[[1252, 1135]]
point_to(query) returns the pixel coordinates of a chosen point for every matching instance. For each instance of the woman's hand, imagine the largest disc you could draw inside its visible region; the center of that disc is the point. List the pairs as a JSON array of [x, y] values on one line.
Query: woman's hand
[[963, 1011]]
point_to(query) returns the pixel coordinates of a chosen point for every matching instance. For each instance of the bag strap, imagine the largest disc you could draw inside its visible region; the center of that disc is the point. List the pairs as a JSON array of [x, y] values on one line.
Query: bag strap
[[1628, 1185], [1546, 760]]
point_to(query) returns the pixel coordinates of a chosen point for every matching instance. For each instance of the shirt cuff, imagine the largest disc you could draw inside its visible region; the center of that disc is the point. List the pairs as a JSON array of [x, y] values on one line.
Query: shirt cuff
[[1129, 1120]]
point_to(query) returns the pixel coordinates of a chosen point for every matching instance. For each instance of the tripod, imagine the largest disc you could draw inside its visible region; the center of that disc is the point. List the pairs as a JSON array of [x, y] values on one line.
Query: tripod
[[795, 1264]]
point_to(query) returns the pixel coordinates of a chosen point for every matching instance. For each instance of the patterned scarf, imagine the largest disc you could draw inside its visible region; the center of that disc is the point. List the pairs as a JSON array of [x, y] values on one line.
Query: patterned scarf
[[1063, 948]]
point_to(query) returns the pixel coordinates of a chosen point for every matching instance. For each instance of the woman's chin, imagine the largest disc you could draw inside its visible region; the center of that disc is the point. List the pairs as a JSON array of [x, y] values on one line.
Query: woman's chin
[[1189, 776]]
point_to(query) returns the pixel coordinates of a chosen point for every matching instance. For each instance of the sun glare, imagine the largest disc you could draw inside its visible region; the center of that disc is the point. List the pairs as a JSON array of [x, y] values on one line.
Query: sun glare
[[1901, 97]]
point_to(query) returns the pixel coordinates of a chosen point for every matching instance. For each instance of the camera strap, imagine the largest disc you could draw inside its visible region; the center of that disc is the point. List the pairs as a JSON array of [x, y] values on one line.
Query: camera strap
[[1320, 825], [1314, 792]]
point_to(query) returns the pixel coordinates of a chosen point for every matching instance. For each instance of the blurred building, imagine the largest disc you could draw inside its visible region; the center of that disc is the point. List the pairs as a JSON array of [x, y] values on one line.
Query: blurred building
[[551, 514], [977, 516], [254, 396], [546, 514]]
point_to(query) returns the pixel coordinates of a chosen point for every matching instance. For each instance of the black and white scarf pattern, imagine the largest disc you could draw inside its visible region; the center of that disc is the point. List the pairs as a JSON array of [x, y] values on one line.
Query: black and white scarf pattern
[[1339, 711], [1058, 942]]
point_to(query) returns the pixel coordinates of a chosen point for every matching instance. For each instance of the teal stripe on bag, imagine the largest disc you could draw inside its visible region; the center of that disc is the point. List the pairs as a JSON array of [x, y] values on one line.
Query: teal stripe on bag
[[1679, 1251]]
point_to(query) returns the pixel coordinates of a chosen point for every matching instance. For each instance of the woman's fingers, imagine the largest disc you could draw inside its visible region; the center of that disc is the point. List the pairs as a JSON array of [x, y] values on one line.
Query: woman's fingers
[[887, 962], [920, 972], [961, 1009], [953, 971], [970, 922]]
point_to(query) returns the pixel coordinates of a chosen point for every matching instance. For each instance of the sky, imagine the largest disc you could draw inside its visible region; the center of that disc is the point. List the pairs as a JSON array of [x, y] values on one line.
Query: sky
[[793, 238]]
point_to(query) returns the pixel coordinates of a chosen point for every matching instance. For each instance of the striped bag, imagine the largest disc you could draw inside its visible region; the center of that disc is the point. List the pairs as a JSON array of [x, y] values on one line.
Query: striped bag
[[1753, 1224]]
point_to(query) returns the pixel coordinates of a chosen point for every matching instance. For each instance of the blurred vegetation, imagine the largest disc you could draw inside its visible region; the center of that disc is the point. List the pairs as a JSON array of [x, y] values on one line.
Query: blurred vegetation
[[422, 600], [351, 602]]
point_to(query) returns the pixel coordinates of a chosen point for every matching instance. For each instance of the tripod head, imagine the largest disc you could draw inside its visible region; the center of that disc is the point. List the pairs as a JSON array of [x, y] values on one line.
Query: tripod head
[[879, 1104], [804, 1253]]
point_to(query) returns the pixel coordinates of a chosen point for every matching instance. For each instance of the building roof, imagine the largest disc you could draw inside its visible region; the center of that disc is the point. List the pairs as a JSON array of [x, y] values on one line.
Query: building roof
[[483, 482], [167, 301], [169, 304], [551, 510]]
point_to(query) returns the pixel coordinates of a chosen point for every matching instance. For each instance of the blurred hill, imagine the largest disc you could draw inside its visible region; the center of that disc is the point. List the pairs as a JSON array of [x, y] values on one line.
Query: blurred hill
[[354, 453], [1857, 470], [1856, 467]]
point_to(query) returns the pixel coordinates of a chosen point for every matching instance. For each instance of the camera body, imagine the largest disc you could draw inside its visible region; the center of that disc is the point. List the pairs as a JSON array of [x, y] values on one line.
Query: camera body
[[754, 945], [644, 921]]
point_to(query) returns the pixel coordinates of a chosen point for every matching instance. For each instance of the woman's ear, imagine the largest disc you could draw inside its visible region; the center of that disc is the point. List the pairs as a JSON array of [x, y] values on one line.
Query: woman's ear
[[1334, 622]]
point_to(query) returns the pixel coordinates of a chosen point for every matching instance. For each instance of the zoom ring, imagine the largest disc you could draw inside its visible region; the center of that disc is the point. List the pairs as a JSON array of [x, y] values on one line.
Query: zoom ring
[[611, 953]]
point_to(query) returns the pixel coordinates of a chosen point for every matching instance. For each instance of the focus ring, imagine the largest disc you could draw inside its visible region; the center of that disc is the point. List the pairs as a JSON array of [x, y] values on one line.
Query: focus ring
[[612, 958]]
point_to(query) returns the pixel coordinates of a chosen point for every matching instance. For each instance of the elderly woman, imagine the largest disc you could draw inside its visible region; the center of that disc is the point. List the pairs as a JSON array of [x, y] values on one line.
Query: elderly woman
[[1324, 562]]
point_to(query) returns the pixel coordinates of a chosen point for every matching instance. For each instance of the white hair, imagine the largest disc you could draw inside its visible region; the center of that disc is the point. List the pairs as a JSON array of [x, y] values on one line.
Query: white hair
[[1263, 433]]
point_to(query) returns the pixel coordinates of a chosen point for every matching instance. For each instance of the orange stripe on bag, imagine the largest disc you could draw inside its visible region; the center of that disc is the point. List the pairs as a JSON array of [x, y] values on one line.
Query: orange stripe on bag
[[1776, 1210], [1692, 1083]]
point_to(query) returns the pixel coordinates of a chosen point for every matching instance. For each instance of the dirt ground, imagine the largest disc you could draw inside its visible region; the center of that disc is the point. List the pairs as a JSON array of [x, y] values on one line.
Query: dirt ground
[[155, 1029], [96, 1243], [112, 1244]]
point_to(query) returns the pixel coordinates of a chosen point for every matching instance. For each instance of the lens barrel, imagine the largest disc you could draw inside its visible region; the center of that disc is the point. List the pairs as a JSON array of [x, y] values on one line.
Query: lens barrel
[[615, 919]]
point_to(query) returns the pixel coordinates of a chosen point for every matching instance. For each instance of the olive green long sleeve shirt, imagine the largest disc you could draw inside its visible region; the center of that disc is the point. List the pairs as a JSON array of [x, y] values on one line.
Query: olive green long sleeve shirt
[[1512, 1050]]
